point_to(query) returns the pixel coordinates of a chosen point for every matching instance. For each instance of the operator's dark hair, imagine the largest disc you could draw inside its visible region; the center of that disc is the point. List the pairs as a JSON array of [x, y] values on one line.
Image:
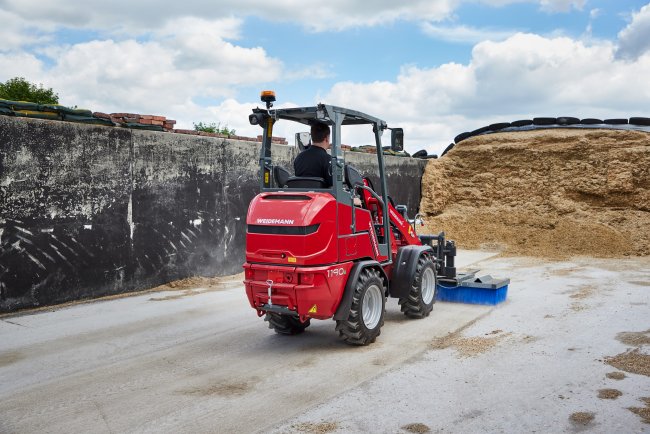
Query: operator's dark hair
[[319, 131]]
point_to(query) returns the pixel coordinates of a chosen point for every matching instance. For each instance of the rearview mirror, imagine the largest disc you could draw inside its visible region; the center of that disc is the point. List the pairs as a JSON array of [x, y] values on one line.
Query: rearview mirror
[[397, 139], [303, 140]]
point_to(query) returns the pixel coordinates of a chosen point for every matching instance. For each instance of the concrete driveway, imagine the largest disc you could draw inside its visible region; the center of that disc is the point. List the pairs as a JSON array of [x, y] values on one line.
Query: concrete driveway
[[192, 361], [569, 351]]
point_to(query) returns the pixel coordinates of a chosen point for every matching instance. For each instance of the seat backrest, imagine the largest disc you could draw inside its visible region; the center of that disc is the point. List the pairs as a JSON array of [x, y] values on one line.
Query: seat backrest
[[281, 176], [352, 176], [306, 182]]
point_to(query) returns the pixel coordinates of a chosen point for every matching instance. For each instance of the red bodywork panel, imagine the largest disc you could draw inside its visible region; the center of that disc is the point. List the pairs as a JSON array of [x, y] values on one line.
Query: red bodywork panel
[[312, 292], [280, 218], [303, 246], [293, 240], [358, 244]]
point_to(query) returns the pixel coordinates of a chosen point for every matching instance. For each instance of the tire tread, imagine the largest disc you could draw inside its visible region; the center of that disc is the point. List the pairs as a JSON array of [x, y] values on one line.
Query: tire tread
[[412, 305], [284, 324], [352, 330]]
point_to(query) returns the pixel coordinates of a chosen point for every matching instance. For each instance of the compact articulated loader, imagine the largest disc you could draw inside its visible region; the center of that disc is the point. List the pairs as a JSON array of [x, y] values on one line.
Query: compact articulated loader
[[312, 252]]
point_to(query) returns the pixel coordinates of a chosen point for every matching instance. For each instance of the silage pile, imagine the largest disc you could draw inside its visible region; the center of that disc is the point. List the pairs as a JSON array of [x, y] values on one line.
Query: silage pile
[[549, 193]]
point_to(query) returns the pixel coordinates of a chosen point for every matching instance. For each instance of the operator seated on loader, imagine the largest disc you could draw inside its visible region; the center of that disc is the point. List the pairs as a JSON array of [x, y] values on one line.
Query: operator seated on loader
[[315, 161]]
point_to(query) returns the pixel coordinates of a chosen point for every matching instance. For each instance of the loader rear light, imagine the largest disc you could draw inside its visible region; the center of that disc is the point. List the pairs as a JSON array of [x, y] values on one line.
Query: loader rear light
[[249, 273], [306, 278]]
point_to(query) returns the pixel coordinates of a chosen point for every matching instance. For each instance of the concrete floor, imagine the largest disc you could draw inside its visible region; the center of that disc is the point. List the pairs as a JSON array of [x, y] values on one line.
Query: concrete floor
[[201, 361], [527, 366]]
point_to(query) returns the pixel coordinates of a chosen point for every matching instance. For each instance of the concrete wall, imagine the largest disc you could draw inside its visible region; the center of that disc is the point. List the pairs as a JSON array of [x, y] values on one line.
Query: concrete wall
[[88, 211]]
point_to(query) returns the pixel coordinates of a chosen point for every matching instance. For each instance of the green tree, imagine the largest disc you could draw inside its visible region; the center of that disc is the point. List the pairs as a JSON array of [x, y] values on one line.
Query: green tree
[[19, 89], [213, 127]]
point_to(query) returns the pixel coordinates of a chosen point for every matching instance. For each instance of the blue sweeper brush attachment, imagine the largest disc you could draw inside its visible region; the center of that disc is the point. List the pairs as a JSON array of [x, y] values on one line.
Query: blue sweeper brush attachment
[[467, 288]]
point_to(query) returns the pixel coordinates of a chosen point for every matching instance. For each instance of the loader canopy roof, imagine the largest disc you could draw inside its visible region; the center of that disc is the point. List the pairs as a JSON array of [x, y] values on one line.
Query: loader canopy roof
[[325, 113]]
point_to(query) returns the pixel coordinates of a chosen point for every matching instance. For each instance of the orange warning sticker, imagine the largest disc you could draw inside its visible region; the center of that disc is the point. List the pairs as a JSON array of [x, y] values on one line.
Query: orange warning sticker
[[314, 309]]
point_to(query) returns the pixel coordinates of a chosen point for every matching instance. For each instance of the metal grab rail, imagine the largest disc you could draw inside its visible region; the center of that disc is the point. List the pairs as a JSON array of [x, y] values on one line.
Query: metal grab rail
[[374, 195]]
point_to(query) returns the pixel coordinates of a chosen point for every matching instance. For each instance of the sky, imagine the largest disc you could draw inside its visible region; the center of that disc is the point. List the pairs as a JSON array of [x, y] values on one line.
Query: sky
[[436, 68]]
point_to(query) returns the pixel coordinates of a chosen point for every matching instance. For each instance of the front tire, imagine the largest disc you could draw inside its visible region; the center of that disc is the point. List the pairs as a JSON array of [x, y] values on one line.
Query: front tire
[[366, 317], [419, 302], [285, 324]]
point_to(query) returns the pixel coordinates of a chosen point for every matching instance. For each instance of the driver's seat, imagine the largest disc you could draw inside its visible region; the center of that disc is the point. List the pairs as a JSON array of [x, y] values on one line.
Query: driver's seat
[[281, 176], [306, 182], [283, 179], [352, 176]]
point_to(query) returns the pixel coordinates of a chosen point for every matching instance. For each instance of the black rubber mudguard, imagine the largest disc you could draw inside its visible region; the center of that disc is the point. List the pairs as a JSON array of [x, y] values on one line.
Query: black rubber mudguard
[[343, 311], [404, 269]]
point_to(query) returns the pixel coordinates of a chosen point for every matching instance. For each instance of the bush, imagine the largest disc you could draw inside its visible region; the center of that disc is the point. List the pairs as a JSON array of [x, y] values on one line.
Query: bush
[[214, 128], [19, 89]]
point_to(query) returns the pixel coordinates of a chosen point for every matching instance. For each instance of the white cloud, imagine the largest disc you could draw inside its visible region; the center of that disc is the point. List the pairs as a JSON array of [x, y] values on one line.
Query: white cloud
[[562, 5], [22, 65], [118, 76], [552, 6], [16, 32], [166, 75], [194, 30], [315, 71], [126, 18], [522, 77], [341, 14], [464, 33], [634, 40], [131, 18]]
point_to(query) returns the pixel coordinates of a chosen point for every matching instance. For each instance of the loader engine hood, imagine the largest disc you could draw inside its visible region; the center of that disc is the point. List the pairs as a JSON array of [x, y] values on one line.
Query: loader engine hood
[[291, 228]]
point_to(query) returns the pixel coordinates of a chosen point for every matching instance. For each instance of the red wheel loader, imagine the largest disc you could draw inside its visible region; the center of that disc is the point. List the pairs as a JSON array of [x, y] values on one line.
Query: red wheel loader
[[312, 252]]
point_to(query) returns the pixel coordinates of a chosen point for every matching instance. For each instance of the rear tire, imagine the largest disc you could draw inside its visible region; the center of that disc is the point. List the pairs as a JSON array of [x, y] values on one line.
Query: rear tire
[[285, 324], [419, 302], [367, 311]]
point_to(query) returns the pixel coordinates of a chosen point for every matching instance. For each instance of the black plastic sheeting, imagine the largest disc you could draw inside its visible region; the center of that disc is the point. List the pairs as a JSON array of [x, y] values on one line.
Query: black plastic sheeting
[[633, 123], [61, 113]]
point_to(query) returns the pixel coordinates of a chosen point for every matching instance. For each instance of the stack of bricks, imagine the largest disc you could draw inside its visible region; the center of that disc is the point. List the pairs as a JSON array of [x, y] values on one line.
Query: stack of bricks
[[368, 149], [120, 118], [248, 139], [104, 116], [276, 140], [167, 124]]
